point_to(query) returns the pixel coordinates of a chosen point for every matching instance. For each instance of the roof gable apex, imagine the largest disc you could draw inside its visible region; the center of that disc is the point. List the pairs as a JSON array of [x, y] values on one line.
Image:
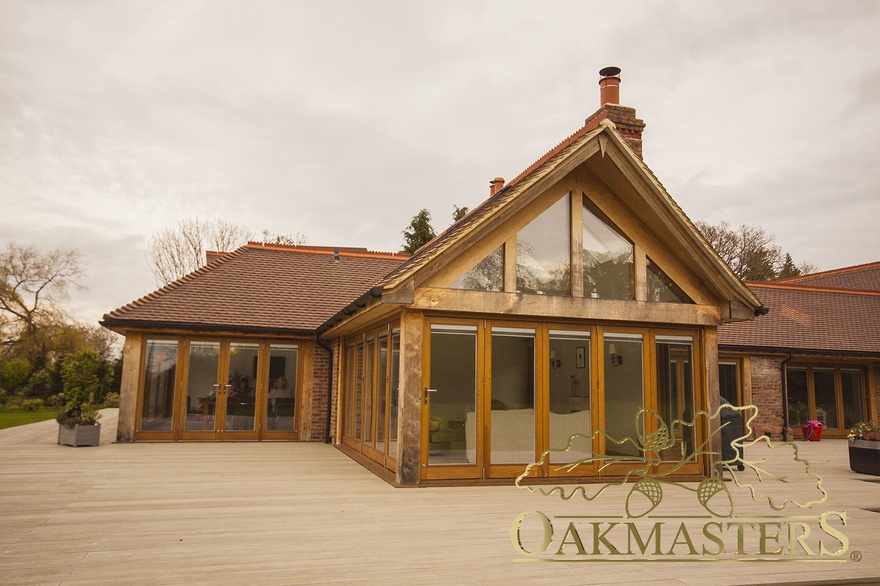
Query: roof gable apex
[[602, 142]]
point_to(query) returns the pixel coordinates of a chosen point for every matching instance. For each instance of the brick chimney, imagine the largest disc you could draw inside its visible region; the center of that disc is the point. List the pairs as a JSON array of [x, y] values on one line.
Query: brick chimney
[[624, 118], [496, 185]]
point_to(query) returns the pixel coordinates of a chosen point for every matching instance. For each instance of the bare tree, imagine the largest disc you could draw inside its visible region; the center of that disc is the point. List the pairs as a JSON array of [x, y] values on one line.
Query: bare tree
[[751, 252], [176, 252], [32, 282], [290, 239]]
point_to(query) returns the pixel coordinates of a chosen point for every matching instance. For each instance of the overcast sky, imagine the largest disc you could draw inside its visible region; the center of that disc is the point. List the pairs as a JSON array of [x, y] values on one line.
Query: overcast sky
[[341, 120]]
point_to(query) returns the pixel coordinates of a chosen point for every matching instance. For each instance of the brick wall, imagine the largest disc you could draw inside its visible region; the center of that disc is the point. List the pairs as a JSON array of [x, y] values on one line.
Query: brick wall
[[877, 388], [767, 396], [320, 376]]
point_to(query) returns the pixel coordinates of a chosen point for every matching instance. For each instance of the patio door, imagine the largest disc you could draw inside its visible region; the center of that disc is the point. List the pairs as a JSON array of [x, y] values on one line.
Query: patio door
[[221, 391], [451, 417]]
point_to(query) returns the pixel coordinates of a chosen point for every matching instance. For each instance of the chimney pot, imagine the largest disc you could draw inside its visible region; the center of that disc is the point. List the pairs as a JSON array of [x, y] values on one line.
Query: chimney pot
[[496, 185], [609, 86]]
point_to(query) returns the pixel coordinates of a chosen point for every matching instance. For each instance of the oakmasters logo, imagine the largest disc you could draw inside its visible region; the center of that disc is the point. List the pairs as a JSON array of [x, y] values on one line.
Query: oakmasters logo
[[741, 512]]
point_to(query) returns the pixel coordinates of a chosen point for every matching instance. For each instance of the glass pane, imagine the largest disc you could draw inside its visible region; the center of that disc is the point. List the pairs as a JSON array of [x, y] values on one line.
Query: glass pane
[[826, 397], [853, 397], [798, 399], [513, 396], [486, 275], [675, 395], [358, 390], [369, 391], [624, 393], [661, 288], [728, 382], [543, 252], [241, 394], [608, 257], [394, 408], [452, 432], [160, 369], [281, 407], [570, 411], [201, 385], [350, 383], [381, 391]]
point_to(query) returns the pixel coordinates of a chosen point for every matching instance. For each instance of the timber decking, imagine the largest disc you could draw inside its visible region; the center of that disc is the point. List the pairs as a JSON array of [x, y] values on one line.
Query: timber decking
[[304, 513]]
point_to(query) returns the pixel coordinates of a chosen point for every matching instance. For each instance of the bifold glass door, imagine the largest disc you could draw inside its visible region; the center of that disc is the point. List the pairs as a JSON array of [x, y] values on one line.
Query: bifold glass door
[[237, 390], [451, 402], [499, 396]]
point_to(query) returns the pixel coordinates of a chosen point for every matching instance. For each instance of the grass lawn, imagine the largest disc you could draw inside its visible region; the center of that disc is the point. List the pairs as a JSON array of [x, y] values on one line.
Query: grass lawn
[[14, 417]]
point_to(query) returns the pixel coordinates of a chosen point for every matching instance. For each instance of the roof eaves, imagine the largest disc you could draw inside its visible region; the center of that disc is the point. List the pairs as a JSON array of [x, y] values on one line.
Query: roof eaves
[[809, 288], [112, 323], [828, 273], [795, 350]]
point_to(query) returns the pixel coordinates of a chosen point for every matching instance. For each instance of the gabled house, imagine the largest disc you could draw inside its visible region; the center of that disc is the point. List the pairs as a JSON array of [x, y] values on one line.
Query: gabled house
[[571, 298], [814, 356], [230, 351]]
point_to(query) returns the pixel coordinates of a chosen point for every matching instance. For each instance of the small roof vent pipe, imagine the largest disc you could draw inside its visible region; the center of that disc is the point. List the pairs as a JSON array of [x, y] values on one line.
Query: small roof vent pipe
[[609, 86]]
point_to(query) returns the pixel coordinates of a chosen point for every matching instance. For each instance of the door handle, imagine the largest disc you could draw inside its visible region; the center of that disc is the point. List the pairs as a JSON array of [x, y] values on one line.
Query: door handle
[[427, 390]]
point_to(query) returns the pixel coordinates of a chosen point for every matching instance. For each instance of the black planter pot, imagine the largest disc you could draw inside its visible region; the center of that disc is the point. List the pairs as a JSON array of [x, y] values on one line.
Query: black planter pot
[[864, 457]]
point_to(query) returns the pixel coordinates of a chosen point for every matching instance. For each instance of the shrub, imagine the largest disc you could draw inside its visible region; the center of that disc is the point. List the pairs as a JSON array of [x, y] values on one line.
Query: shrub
[[81, 376], [14, 374], [32, 404], [111, 400], [40, 384], [56, 400], [4, 397]]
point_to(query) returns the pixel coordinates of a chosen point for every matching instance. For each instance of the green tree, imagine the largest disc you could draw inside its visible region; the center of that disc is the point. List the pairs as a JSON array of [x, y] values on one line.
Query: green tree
[[458, 213], [14, 374], [788, 269], [418, 233]]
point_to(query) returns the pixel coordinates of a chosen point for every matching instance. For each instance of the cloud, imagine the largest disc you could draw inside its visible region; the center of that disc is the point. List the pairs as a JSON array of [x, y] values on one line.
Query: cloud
[[342, 119]]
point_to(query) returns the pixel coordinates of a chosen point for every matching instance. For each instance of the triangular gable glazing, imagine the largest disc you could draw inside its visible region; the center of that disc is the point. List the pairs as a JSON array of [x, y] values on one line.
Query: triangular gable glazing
[[663, 289], [486, 275], [544, 263]]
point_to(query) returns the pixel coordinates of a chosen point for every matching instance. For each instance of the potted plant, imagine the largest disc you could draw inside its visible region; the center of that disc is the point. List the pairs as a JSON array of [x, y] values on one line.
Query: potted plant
[[864, 448], [78, 420]]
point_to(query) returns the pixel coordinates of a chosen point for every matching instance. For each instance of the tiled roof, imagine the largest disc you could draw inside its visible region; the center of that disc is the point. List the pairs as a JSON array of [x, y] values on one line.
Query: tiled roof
[[261, 288], [864, 277], [809, 319]]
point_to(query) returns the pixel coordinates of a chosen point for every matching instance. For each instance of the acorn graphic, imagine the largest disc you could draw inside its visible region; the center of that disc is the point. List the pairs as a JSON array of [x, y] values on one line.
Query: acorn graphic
[[711, 493], [643, 497], [658, 439]]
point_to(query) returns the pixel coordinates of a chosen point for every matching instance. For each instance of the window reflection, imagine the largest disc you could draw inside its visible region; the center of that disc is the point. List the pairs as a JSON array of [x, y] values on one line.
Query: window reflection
[[663, 289], [281, 408], [159, 375], [486, 275], [607, 257], [543, 252]]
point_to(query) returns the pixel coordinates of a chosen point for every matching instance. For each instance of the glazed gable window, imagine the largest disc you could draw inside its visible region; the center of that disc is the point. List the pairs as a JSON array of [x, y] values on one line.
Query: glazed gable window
[[543, 252], [607, 257], [570, 249]]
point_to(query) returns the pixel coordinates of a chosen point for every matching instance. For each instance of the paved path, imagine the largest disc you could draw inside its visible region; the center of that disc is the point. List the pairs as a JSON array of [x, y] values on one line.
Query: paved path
[[292, 513]]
